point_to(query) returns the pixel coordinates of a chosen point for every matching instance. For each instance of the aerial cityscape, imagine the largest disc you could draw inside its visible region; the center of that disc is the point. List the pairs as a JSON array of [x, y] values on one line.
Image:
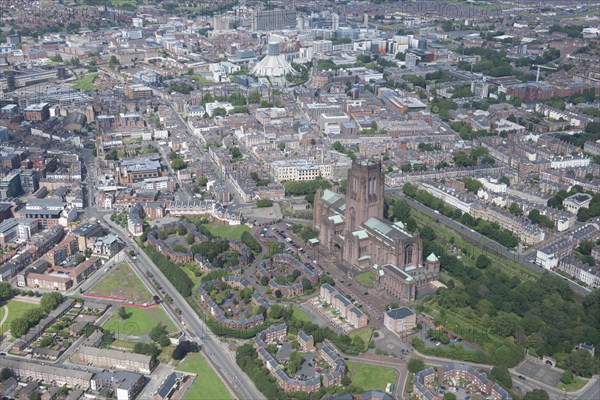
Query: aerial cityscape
[[311, 199]]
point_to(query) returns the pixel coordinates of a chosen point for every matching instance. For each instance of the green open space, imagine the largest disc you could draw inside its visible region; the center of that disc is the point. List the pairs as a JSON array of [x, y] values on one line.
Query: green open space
[[200, 79], [367, 278], [189, 269], [208, 384], [225, 231], [140, 322], [300, 315], [371, 377], [446, 232], [122, 282], [16, 309], [85, 82], [577, 384], [365, 334]]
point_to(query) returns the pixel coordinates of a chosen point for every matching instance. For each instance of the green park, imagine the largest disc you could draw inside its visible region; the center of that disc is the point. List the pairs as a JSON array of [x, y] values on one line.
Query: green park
[[138, 321], [371, 377], [208, 385]]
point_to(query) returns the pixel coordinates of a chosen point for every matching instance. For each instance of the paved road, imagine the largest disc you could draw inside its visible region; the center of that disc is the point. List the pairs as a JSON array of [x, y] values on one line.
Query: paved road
[[479, 240], [592, 392], [213, 349]]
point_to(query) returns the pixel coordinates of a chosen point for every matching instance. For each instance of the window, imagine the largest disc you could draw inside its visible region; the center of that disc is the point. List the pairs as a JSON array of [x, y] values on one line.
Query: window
[[408, 255]]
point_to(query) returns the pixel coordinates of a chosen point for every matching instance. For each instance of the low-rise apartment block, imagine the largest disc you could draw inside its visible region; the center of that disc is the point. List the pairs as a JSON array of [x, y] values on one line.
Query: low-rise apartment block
[[117, 359], [344, 307]]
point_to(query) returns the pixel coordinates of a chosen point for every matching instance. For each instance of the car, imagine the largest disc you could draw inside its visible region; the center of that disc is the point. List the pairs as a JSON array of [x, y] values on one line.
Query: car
[[521, 377], [366, 293]]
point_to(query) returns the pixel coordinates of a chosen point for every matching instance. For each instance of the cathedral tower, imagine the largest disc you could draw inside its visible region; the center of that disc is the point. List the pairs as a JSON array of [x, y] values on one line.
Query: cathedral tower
[[364, 194]]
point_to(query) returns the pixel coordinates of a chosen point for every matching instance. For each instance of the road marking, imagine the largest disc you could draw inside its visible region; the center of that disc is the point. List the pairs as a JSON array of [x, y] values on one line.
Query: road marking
[[5, 315]]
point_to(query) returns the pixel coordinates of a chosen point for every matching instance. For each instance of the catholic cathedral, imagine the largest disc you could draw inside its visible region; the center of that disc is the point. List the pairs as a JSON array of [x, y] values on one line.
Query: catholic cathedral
[[353, 227]]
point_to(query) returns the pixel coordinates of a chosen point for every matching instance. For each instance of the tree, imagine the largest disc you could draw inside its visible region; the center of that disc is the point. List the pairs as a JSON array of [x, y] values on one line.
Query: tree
[[123, 314], [149, 349], [5, 291], [537, 218], [50, 301], [263, 203], [306, 285], [18, 327], [483, 261], [183, 348], [502, 376], [514, 209], [5, 373], [219, 112], [295, 363], [449, 396], [254, 98], [415, 365], [189, 238], [581, 363], [158, 332], [567, 377], [235, 153], [358, 343], [178, 164], [113, 61], [276, 311]]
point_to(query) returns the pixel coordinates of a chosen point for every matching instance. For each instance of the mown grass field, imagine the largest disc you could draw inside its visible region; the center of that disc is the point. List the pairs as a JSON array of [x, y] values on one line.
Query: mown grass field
[[370, 377], [85, 83], [208, 385], [16, 309], [141, 321], [224, 231]]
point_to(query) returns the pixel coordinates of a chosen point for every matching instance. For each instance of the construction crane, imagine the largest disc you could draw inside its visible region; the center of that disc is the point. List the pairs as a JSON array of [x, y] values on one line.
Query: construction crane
[[537, 76]]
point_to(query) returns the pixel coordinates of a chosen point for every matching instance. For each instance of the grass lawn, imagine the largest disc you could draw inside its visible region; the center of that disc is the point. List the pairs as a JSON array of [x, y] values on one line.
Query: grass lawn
[[123, 282], [140, 322], [16, 309], [85, 83], [224, 231], [201, 79], [370, 377], [300, 315], [366, 278], [208, 385], [123, 344], [577, 384], [365, 334], [190, 273]]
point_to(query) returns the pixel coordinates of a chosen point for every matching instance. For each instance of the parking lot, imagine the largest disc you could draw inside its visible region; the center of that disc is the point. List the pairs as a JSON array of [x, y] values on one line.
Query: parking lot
[[330, 315], [543, 373]]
